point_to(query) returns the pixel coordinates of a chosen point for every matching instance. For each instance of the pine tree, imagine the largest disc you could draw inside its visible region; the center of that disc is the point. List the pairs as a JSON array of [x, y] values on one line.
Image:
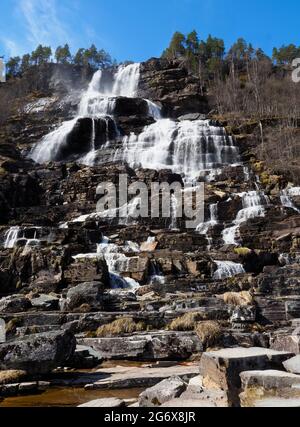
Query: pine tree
[[63, 54], [13, 66], [176, 48]]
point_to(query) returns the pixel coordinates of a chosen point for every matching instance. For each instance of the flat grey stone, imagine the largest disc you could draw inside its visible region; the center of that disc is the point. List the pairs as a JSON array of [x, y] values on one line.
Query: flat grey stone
[[269, 379], [161, 393], [188, 403], [293, 365], [139, 377], [277, 402], [104, 403]]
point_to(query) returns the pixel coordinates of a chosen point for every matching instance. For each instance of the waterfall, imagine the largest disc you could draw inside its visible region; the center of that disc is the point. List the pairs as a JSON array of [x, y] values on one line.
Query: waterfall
[[204, 227], [227, 269], [11, 237], [156, 275], [254, 203], [154, 110], [96, 102], [126, 81], [117, 262], [173, 212], [187, 147], [49, 147], [286, 198]]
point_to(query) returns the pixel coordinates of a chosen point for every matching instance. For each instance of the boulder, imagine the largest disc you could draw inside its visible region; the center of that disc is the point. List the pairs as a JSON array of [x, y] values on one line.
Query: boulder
[[284, 341], [38, 354], [161, 345], [293, 365], [85, 358], [14, 304], [163, 392], [260, 387], [45, 302], [223, 367], [90, 294], [87, 270]]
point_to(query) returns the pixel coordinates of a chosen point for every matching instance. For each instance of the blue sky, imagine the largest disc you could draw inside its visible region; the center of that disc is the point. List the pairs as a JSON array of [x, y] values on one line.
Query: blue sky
[[139, 29]]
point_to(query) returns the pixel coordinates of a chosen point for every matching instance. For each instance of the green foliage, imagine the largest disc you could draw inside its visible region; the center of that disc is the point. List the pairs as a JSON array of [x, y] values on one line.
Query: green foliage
[[63, 54], [13, 66], [92, 57], [41, 55], [26, 63], [176, 48], [286, 54]]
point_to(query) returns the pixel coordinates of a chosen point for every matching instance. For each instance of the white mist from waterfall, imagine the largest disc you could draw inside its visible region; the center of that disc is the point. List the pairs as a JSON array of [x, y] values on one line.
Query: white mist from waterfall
[[187, 147], [96, 102], [254, 203], [227, 269]]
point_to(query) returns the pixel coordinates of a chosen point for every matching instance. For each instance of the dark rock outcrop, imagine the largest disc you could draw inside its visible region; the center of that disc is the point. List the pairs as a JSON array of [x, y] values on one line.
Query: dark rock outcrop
[[38, 354]]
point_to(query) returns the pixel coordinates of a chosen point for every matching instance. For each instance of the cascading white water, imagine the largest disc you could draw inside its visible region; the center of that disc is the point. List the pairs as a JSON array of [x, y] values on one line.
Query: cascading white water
[[11, 237], [187, 147], [48, 148], [154, 110], [126, 81], [294, 192], [254, 203], [286, 198], [173, 212], [96, 102], [156, 275], [227, 269], [117, 262], [203, 228]]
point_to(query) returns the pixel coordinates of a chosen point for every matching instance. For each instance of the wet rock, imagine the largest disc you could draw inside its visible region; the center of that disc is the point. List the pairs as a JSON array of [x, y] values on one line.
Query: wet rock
[[38, 354], [130, 107], [163, 392], [14, 304]]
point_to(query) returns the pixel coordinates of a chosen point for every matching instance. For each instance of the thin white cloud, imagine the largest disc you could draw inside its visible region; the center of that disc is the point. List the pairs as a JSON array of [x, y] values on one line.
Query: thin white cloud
[[42, 22], [11, 47]]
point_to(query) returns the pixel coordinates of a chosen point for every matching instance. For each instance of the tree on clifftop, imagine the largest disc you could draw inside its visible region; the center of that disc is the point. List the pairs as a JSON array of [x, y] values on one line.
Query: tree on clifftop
[[176, 48], [41, 55], [63, 54], [13, 66]]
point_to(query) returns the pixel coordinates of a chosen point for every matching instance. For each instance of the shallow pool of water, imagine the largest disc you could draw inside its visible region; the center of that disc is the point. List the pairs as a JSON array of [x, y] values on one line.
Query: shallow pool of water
[[63, 397]]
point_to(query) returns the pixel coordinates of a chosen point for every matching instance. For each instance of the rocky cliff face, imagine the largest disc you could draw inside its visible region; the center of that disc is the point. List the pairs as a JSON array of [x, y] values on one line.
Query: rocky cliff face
[[150, 122]]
